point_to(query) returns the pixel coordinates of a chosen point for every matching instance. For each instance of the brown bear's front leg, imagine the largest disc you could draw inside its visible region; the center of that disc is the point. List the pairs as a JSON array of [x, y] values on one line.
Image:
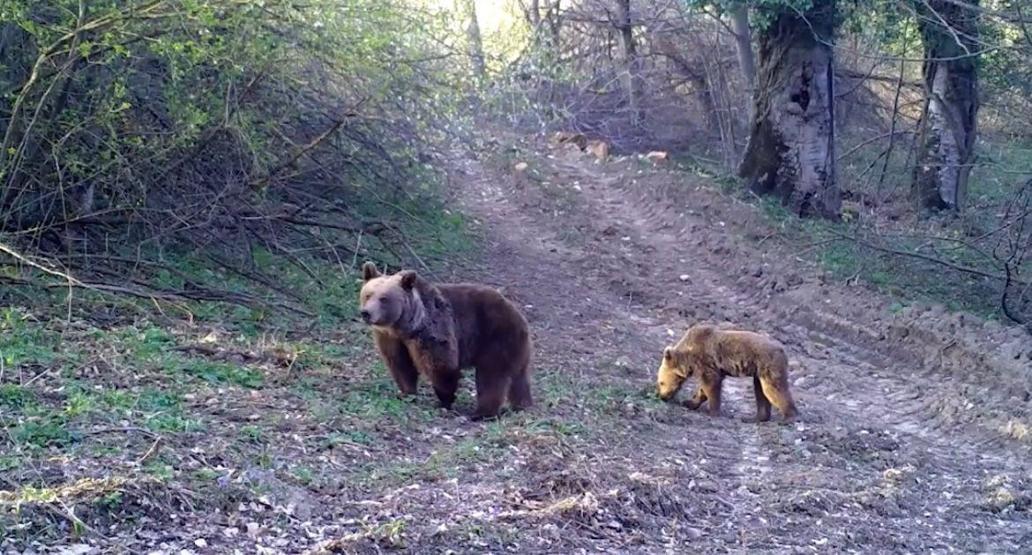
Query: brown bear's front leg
[[697, 400], [398, 361], [438, 361], [446, 383]]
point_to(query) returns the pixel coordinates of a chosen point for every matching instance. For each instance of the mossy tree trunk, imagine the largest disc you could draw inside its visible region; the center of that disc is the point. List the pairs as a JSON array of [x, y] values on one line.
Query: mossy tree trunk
[[791, 151], [949, 31]]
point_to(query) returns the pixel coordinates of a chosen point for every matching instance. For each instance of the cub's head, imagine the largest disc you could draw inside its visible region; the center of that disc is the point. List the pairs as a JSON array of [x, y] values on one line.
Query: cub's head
[[388, 300], [673, 371]]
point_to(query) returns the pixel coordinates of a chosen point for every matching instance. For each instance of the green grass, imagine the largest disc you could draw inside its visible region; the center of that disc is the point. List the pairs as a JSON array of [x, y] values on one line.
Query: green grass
[[15, 397], [219, 372], [42, 431], [25, 341]]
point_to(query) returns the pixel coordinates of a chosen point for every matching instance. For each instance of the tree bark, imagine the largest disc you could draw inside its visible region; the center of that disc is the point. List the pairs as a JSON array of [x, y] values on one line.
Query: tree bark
[[474, 44], [791, 151], [629, 55], [743, 44], [946, 142]]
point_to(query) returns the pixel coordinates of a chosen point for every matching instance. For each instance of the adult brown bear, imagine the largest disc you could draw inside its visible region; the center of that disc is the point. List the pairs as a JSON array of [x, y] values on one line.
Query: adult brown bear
[[439, 330]]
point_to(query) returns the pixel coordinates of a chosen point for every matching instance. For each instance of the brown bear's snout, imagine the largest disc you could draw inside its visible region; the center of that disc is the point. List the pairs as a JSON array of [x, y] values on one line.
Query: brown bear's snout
[[366, 316]]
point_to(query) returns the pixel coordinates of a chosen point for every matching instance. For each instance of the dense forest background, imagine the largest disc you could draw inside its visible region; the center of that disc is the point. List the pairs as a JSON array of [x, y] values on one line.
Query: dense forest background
[[130, 129]]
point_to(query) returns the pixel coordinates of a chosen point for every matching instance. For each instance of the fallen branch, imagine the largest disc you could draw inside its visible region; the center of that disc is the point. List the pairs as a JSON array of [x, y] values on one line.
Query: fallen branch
[[926, 258]]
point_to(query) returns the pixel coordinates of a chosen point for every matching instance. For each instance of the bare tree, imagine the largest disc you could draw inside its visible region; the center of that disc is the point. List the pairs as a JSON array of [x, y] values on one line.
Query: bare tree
[[791, 141], [743, 42], [474, 44], [949, 31], [629, 57]]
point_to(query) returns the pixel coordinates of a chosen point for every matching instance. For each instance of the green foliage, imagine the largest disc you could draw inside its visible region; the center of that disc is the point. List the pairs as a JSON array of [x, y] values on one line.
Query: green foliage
[[173, 122]]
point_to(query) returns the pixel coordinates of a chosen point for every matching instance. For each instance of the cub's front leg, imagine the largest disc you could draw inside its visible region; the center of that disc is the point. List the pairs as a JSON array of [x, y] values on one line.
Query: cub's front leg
[[697, 400], [711, 386]]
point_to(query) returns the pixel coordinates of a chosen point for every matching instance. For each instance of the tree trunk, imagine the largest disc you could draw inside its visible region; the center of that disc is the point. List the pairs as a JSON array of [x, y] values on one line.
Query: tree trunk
[[946, 142], [743, 44], [791, 150], [474, 44], [629, 57]]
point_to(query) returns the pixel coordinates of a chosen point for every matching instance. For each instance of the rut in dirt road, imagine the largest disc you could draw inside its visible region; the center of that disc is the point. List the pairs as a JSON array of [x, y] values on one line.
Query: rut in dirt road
[[876, 461]]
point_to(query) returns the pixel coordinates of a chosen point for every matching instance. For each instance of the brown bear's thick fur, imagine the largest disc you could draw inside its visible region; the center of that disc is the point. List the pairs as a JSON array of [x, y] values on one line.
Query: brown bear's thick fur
[[438, 330], [710, 354]]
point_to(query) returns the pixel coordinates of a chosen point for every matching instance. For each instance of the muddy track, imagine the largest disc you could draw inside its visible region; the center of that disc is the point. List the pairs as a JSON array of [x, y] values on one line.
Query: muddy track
[[891, 452]]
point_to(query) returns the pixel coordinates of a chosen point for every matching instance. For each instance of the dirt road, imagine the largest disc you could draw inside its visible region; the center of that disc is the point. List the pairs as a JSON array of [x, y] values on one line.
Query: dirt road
[[896, 449]]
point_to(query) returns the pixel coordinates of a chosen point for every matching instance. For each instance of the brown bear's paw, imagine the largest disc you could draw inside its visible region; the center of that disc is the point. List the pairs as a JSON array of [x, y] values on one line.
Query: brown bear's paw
[[445, 399], [482, 416], [754, 419]]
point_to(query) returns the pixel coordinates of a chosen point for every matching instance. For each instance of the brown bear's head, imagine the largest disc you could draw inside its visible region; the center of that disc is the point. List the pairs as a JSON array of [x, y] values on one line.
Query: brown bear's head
[[390, 301], [673, 371]]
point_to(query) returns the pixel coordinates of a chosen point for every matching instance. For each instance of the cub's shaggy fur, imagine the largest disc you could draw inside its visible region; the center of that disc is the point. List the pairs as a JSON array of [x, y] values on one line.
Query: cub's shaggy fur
[[709, 354], [438, 330]]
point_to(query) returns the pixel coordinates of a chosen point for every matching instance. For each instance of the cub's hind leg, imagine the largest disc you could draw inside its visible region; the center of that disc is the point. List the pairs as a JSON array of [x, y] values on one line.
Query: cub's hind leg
[[762, 402], [775, 387]]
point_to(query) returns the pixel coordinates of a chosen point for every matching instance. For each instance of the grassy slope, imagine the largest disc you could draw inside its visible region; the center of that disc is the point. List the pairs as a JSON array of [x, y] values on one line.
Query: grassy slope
[[115, 413]]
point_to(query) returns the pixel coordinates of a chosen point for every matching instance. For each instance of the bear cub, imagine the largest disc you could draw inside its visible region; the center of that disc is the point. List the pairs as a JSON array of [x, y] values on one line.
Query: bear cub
[[439, 330], [710, 354]]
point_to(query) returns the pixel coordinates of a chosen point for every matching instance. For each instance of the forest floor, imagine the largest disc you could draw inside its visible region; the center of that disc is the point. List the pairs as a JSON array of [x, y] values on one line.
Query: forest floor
[[915, 433]]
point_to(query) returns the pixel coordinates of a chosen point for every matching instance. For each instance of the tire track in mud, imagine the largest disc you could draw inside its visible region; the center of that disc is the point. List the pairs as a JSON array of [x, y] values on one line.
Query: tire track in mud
[[856, 400], [527, 233]]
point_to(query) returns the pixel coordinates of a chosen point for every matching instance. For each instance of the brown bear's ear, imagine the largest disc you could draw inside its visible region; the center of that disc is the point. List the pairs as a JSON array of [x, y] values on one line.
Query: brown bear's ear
[[408, 279], [369, 271], [668, 354]]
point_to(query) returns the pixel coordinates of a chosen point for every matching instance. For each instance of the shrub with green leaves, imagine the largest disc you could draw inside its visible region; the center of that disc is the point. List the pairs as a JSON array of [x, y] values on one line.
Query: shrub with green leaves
[[143, 126]]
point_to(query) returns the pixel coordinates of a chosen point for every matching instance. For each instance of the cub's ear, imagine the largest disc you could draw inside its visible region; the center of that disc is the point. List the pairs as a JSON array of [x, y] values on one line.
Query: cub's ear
[[369, 271], [668, 354], [408, 279]]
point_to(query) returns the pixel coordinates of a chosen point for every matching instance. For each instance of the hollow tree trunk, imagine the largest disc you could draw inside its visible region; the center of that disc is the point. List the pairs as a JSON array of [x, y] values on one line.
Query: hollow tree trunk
[[791, 152], [946, 143], [474, 44]]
